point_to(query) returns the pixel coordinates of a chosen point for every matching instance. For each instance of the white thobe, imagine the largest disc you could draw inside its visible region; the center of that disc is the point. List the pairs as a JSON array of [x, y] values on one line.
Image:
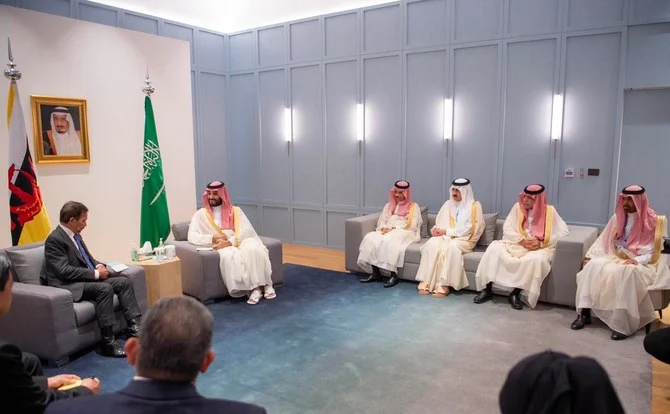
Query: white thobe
[[617, 293], [387, 251], [509, 265], [246, 264], [442, 256]]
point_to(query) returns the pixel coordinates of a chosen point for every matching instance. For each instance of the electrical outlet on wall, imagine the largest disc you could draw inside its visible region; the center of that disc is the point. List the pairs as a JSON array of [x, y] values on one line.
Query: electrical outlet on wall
[[581, 173], [569, 173]]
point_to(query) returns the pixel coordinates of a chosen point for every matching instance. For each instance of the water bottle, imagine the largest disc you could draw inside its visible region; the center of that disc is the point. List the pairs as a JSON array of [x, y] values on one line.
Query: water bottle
[[160, 251], [134, 256]]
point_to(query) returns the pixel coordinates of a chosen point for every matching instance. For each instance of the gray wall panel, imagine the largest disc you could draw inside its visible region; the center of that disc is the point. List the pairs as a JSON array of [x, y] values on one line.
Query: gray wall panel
[[341, 35], [308, 226], [383, 104], [242, 51], [425, 151], [211, 51], [57, 7], [251, 211], [589, 131], [342, 175], [276, 223], [595, 13], [477, 20], [213, 152], [176, 31], [533, 16], [648, 56], [427, 23], [650, 10], [307, 157], [274, 150], [335, 228], [244, 138], [528, 104], [95, 14], [272, 46], [305, 40], [382, 29], [476, 119], [645, 145], [140, 23]]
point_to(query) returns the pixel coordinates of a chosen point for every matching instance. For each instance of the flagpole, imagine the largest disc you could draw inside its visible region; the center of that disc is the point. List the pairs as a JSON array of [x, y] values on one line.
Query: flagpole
[[12, 73], [148, 88]]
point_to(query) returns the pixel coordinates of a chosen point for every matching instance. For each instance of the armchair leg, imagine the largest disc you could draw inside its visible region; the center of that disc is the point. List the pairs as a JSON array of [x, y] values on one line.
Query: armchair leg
[[660, 313]]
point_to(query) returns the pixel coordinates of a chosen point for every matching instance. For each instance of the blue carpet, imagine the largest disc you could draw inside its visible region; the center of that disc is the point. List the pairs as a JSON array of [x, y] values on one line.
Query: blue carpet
[[329, 344]]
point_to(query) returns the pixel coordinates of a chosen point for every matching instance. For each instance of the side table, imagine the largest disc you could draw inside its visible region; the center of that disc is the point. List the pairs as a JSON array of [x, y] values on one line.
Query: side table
[[163, 279]]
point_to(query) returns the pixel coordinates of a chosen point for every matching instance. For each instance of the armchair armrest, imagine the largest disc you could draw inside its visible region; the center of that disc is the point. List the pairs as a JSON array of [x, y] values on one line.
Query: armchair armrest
[[41, 320], [561, 284], [137, 276], [194, 265], [354, 230]]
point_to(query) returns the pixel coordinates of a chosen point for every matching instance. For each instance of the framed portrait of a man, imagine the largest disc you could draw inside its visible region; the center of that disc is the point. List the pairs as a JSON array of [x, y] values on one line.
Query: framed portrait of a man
[[60, 128]]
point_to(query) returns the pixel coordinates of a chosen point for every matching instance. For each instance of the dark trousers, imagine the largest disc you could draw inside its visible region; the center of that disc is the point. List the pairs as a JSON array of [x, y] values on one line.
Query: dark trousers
[[102, 294], [32, 364], [657, 344]]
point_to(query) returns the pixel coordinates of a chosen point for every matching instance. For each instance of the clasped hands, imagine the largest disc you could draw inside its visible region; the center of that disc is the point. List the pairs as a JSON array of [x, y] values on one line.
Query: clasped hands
[[58, 381], [530, 243], [220, 241], [385, 230]]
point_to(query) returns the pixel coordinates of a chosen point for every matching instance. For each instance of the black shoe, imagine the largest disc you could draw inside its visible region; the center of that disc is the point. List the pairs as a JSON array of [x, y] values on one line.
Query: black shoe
[[580, 322], [484, 296], [392, 281], [515, 301], [133, 328], [372, 278], [112, 349], [618, 336]]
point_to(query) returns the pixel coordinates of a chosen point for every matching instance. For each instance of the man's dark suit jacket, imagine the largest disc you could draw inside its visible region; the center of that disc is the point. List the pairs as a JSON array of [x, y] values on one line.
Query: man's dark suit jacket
[[148, 397], [21, 393], [64, 266]]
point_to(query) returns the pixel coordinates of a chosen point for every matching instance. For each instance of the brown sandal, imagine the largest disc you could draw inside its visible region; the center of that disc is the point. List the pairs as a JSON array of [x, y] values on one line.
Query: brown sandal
[[442, 294]]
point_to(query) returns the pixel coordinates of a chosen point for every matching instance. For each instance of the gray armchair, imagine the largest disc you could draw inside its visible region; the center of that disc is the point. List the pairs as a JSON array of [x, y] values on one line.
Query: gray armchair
[[200, 274], [44, 320]]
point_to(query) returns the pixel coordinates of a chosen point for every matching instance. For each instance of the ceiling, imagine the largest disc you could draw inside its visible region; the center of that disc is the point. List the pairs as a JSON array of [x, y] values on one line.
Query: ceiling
[[230, 16]]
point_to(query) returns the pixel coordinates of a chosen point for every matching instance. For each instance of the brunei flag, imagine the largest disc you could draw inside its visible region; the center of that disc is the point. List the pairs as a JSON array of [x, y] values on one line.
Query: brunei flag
[[29, 219]]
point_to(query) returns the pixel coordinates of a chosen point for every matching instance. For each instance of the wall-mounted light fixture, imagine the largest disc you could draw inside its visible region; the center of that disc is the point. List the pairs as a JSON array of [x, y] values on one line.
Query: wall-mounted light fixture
[[360, 125], [448, 118], [287, 124], [557, 117]]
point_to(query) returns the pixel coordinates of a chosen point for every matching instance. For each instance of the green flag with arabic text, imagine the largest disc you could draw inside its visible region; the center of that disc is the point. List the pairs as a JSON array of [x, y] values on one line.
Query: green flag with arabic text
[[155, 219]]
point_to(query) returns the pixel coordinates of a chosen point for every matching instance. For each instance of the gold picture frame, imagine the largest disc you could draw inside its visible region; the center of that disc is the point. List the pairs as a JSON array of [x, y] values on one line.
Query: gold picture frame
[[60, 130]]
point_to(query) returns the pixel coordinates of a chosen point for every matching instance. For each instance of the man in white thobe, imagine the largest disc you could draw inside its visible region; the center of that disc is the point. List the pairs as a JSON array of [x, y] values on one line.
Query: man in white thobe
[[522, 259], [458, 227], [244, 259], [622, 266], [62, 138], [398, 226]]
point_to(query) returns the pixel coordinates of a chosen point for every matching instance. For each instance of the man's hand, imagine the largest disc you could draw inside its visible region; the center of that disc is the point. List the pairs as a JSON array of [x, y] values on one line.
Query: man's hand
[[60, 380], [586, 260], [385, 230], [218, 237], [437, 232], [630, 262], [222, 244], [530, 244], [92, 384], [102, 272]]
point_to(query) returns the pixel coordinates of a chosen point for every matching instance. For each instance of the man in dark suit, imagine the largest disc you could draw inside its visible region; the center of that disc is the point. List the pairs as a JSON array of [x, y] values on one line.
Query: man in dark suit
[[69, 265], [172, 348], [23, 386]]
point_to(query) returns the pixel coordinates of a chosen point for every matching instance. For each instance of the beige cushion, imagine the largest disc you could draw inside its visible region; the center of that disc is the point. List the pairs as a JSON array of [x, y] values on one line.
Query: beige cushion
[[27, 264], [490, 230]]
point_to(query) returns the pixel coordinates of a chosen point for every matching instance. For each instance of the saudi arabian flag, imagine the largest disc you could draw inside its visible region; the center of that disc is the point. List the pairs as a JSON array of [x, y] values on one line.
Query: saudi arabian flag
[[155, 220]]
